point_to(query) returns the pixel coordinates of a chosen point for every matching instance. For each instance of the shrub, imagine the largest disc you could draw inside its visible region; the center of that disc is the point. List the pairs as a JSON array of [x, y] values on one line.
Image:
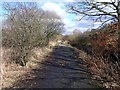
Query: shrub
[[27, 27]]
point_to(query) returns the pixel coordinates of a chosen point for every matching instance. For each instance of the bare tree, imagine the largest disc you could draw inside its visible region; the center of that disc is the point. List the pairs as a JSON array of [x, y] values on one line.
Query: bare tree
[[98, 11], [26, 28], [53, 24]]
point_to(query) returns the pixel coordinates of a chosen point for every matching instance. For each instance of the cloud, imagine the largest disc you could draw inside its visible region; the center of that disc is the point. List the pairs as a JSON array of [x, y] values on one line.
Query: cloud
[[97, 24], [69, 0], [69, 23], [70, 31], [104, 1], [53, 7], [66, 17]]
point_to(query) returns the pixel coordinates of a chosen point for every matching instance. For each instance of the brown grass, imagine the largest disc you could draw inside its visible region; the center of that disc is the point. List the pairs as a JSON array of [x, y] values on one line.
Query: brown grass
[[102, 70], [11, 72]]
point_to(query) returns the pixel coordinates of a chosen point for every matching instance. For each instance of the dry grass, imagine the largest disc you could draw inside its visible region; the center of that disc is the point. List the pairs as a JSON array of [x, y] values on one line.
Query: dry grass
[[11, 72], [103, 71]]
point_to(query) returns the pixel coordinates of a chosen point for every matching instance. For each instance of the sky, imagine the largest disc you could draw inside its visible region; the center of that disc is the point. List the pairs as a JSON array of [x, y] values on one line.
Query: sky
[[59, 6]]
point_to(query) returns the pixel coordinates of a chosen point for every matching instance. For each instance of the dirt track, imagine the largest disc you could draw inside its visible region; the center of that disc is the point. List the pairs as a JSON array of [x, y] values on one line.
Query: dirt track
[[60, 69]]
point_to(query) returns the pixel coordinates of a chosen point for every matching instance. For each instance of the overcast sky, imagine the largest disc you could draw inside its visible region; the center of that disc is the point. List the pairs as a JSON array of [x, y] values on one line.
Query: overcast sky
[[59, 6]]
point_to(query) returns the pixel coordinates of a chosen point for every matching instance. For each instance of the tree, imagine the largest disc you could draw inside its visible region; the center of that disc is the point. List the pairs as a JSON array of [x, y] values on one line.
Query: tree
[[25, 28], [76, 31], [53, 24], [98, 11]]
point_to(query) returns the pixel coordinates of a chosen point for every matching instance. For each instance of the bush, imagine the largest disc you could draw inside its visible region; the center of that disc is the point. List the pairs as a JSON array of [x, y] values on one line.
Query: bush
[[28, 28], [104, 62]]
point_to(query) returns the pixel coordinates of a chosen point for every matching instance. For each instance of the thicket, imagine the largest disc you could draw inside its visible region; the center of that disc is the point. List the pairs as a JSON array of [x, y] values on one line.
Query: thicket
[[103, 46], [103, 41], [26, 27]]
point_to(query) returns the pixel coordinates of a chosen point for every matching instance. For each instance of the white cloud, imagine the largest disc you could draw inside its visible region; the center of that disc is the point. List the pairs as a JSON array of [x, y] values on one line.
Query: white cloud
[[69, 0], [82, 29], [70, 31], [97, 23], [104, 0], [70, 25], [50, 6], [54, 7], [68, 22], [85, 21]]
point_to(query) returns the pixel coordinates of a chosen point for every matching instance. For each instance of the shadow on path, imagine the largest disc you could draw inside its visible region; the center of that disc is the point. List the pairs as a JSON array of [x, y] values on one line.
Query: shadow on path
[[60, 69]]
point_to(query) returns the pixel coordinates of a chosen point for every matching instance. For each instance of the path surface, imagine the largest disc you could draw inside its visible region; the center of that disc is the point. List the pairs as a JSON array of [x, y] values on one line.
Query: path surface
[[60, 69]]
